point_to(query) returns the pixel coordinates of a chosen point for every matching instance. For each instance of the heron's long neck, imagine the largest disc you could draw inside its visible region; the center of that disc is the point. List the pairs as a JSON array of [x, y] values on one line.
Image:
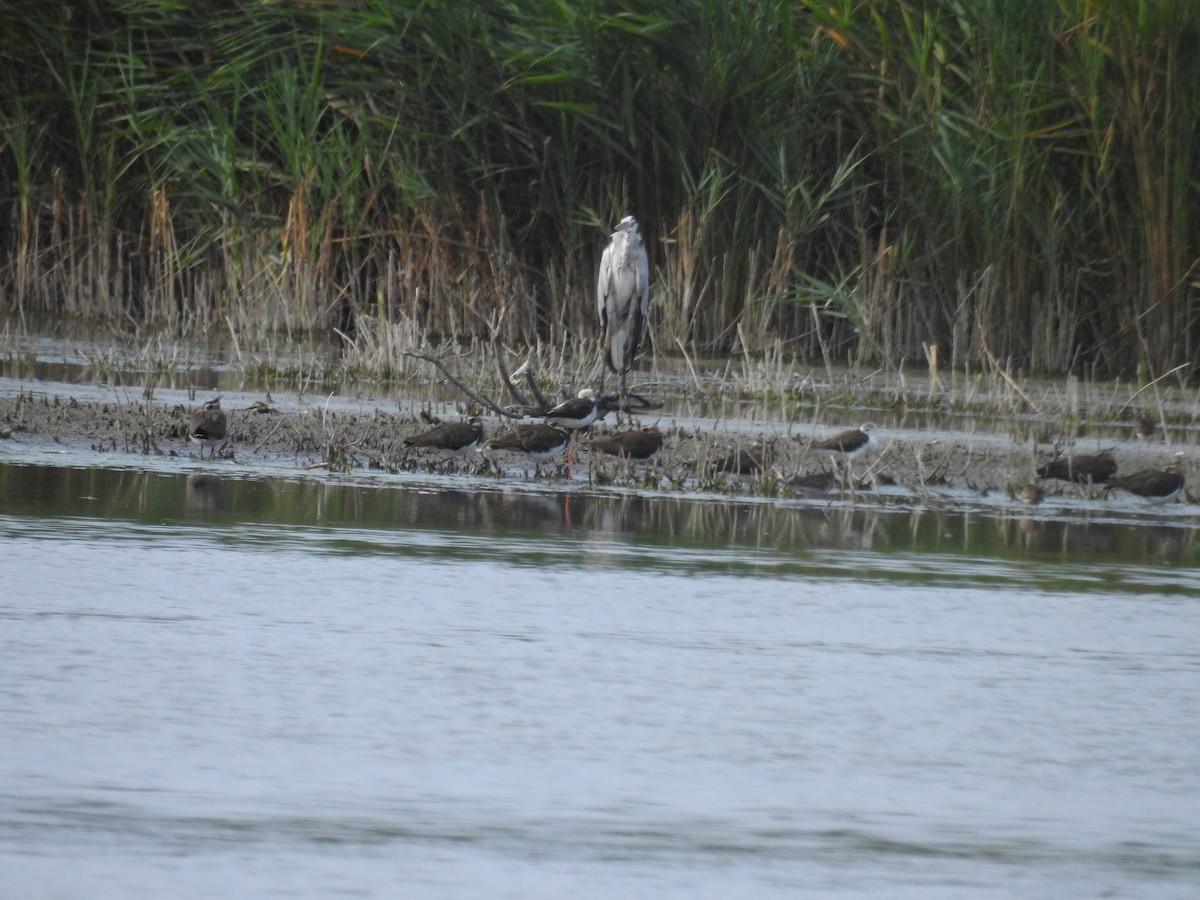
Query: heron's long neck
[[624, 256]]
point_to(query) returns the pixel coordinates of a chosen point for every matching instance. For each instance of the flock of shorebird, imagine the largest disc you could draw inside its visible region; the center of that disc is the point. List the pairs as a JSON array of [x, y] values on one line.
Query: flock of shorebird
[[622, 303], [544, 440], [1100, 469]]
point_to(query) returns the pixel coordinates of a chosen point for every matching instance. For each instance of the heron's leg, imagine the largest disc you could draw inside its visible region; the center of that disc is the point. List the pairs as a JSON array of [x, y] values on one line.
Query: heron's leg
[[603, 354]]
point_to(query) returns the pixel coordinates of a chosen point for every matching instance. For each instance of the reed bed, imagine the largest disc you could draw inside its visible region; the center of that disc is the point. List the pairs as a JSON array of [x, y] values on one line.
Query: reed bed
[[1006, 185]]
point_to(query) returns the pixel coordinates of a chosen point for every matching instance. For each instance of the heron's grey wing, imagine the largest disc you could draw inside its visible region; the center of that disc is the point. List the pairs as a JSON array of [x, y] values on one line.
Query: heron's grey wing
[[623, 275], [642, 269], [604, 286]]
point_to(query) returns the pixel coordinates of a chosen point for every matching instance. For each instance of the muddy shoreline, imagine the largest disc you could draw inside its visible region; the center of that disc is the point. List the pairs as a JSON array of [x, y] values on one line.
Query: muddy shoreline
[[366, 439]]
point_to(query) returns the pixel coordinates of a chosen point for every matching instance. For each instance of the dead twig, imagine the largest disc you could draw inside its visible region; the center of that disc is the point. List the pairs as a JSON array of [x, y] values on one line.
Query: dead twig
[[483, 401], [1012, 384], [1148, 385], [632, 403], [526, 370]]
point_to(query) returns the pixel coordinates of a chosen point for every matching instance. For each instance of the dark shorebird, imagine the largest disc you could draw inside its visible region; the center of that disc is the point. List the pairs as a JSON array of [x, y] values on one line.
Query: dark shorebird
[[537, 441], [745, 460], [1085, 468], [815, 483], [850, 444], [1145, 427], [454, 438], [1155, 485], [641, 443], [207, 426]]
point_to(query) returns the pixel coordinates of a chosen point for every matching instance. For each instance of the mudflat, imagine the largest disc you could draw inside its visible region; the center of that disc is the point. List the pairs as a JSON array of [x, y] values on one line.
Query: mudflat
[[914, 451]]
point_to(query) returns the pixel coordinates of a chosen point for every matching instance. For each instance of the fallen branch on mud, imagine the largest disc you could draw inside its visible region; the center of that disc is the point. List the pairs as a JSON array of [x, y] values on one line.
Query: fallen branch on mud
[[523, 408]]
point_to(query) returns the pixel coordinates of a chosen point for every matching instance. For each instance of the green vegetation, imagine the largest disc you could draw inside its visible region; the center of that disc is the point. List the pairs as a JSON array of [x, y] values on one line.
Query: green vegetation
[[1013, 181]]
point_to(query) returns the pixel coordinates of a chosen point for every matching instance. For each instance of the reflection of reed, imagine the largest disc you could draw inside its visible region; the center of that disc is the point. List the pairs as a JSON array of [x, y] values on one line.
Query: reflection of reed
[[516, 511], [1086, 539], [938, 529], [134, 491], [857, 528], [762, 525], [203, 492], [1165, 544]]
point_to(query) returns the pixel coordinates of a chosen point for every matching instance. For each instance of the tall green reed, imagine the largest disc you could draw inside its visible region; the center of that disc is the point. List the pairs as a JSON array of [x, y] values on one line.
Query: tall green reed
[[830, 180]]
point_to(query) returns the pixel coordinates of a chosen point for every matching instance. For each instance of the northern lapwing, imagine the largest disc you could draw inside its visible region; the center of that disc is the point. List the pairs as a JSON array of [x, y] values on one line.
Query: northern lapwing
[[1145, 427], [750, 460], [537, 441], [207, 426], [1154, 485], [453, 438], [814, 483], [642, 443], [1085, 468]]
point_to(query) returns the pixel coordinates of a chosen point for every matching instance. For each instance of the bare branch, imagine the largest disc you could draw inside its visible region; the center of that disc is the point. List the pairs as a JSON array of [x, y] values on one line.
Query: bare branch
[[510, 379], [631, 403], [477, 397]]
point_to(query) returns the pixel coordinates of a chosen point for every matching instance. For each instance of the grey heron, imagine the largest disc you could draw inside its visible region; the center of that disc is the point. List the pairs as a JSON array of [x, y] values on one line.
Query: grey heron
[[622, 298]]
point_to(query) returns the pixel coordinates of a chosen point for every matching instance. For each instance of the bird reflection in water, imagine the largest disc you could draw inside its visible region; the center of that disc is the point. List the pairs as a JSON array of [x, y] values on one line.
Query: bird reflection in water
[[204, 492]]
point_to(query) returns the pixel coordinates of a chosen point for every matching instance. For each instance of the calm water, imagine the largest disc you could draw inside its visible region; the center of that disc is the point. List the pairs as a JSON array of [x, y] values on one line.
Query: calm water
[[263, 686]]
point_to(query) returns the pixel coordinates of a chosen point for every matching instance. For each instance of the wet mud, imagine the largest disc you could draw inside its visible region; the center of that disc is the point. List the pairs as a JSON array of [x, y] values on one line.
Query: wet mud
[[774, 460]]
